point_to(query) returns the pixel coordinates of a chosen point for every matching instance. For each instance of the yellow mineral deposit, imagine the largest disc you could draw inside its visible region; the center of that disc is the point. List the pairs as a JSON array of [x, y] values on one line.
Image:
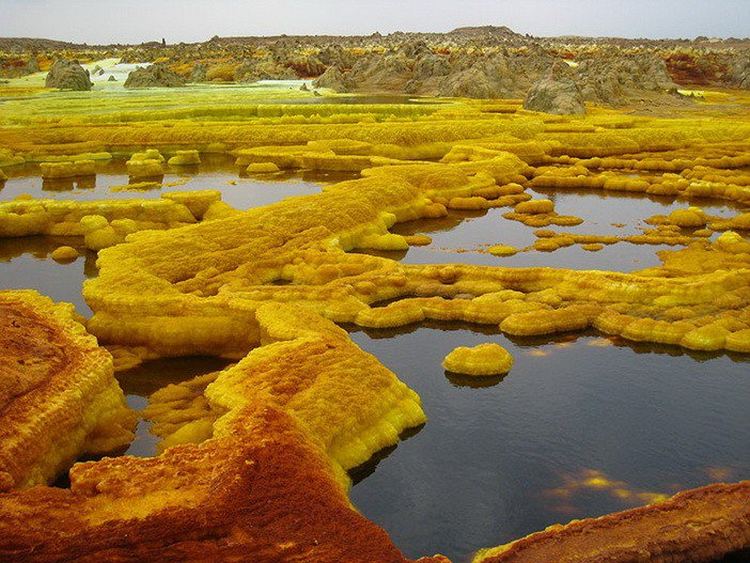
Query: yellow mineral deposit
[[64, 254], [502, 250], [418, 240], [103, 223], [147, 164], [68, 169], [262, 168], [481, 360], [185, 158], [540, 213], [186, 274]]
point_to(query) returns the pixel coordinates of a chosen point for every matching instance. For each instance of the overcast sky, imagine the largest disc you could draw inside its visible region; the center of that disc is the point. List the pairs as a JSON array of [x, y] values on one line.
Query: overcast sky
[[134, 21]]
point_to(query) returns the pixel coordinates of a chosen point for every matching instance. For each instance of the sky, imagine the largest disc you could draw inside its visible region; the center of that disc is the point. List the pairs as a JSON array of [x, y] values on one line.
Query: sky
[[135, 21]]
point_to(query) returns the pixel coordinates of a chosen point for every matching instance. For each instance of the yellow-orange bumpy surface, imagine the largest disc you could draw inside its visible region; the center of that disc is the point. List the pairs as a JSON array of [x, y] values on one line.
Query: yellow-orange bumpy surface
[[58, 396], [278, 429], [268, 482], [484, 359]]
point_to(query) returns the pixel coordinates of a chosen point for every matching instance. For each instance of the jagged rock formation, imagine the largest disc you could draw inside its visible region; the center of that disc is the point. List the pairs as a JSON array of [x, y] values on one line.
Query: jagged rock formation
[[556, 93], [740, 74], [614, 78], [33, 65], [478, 62], [252, 70], [198, 73], [305, 66], [334, 79], [153, 75], [12, 67], [415, 68], [335, 54], [68, 75]]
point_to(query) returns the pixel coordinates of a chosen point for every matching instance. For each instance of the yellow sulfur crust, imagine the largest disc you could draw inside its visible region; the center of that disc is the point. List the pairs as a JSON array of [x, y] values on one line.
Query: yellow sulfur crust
[[484, 359]]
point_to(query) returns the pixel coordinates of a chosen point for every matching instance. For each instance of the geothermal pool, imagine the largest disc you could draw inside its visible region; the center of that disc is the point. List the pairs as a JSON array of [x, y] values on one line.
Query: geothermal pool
[[580, 427], [583, 425], [25, 262]]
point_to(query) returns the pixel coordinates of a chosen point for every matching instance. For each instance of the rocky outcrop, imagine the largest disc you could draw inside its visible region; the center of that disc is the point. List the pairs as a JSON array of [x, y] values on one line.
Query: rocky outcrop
[[153, 75], [306, 66], [198, 73], [740, 77], [416, 68], [267, 68], [335, 54], [556, 93], [614, 78], [33, 65], [68, 75], [334, 79]]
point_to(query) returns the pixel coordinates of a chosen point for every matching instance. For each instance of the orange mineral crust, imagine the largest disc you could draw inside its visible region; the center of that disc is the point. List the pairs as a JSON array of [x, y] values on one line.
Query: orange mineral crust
[[265, 483], [58, 395], [260, 492], [696, 525]]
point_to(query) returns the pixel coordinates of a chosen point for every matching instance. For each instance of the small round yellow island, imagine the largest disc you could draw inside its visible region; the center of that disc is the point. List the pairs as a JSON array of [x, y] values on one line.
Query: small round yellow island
[[481, 360], [64, 254]]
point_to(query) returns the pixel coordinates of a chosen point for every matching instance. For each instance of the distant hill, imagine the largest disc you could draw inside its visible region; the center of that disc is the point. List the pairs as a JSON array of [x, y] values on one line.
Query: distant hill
[[485, 30], [26, 44]]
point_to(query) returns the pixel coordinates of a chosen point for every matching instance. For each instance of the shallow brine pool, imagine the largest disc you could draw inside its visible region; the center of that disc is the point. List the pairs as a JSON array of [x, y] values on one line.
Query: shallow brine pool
[[25, 262], [581, 426]]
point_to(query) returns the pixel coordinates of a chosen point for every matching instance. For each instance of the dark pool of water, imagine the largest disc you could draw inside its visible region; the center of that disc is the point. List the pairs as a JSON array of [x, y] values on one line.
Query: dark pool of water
[[25, 262], [216, 172], [139, 383], [503, 458], [462, 235]]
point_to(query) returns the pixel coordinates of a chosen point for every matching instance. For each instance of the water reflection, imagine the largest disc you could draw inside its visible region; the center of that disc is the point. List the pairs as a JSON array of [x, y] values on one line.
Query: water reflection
[[216, 172], [25, 264], [648, 418], [572, 492], [140, 382]]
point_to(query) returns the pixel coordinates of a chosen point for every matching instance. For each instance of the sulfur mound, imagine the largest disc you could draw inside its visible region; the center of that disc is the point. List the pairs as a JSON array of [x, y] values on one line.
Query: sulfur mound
[[58, 396], [64, 254], [262, 168], [154, 75], [484, 359], [185, 158], [68, 75], [146, 165], [106, 222], [68, 169], [502, 250]]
